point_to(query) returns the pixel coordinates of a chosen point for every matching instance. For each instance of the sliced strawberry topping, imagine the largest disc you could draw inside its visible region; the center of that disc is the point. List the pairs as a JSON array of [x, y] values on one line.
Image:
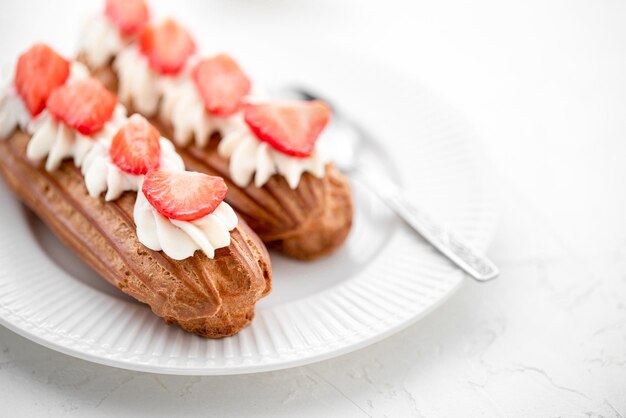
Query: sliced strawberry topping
[[167, 46], [135, 148], [85, 105], [130, 16], [291, 127], [39, 71], [221, 84], [183, 195]]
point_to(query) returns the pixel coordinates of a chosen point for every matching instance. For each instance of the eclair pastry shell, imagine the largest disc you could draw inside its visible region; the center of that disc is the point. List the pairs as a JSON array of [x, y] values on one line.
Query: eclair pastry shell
[[209, 297]]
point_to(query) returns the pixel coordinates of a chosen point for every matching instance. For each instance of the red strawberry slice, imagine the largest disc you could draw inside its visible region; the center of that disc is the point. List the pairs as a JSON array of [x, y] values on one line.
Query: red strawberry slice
[[183, 195], [221, 84], [130, 16], [167, 46], [85, 105], [291, 127], [135, 148], [39, 71]]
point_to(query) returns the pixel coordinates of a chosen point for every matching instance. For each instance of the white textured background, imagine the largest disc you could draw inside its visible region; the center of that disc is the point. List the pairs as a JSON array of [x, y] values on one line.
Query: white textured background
[[544, 84]]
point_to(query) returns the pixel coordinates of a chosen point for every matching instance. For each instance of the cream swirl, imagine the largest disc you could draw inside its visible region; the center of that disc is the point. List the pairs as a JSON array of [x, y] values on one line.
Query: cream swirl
[[137, 82], [181, 239], [58, 141], [100, 41], [183, 107], [13, 112], [102, 175], [250, 157]]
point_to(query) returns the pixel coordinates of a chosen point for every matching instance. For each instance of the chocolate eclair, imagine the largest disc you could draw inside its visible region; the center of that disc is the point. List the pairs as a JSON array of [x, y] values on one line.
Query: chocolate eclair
[[117, 193], [278, 176]]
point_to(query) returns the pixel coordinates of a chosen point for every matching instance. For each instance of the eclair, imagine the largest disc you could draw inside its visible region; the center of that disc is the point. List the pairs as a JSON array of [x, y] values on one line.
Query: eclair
[[270, 153], [117, 193]]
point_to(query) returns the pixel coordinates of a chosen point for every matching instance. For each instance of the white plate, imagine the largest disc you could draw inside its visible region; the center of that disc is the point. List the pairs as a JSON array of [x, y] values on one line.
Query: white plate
[[382, 280]]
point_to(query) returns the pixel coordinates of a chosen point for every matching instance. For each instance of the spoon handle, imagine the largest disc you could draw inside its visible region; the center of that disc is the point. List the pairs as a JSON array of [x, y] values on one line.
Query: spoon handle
[[454, 248]]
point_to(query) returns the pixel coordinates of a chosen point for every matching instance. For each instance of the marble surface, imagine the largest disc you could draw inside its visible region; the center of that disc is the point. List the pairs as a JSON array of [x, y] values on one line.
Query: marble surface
[[544, 83]]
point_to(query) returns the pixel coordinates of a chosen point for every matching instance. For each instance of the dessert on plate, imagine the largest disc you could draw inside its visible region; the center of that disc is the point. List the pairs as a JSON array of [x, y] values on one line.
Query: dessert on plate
[[269, 152], [117, 193]]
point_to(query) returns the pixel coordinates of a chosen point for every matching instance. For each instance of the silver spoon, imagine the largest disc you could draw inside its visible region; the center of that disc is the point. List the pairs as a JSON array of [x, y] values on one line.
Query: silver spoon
[[345, 155]]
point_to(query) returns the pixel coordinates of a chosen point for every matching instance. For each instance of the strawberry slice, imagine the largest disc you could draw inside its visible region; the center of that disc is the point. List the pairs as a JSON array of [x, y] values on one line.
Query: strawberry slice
[[130, 16], [221, 84], [291, 127], [135, 148], [85, 105], [167, 46], [39, 71], [183, 195]]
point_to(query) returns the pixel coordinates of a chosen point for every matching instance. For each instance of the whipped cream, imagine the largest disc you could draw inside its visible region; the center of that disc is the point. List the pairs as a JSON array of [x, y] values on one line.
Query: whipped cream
[[100, 41], [58, 141], [181, 239], [183, 107], [78, 71], [250, 157], [13, 112], [102, 175], [137, 81]]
